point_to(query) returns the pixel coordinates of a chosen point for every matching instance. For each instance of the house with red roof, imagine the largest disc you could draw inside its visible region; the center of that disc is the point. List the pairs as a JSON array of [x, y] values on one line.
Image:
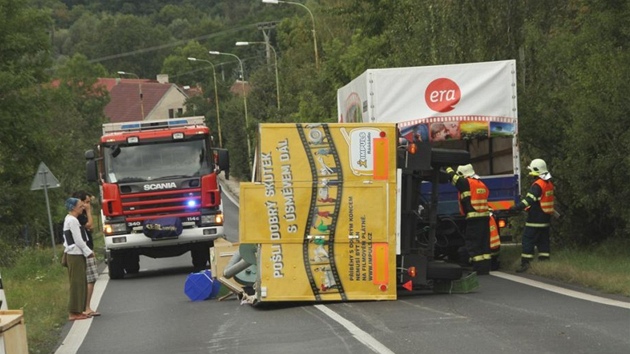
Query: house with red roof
[[143, 99]]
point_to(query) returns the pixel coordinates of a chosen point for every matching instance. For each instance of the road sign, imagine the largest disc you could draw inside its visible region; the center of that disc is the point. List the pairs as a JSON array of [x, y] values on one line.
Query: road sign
[[44, 178]]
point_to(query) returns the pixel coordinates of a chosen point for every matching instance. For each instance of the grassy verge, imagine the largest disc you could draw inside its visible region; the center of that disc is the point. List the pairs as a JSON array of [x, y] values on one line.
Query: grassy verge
[[604, 268], [39, 286]]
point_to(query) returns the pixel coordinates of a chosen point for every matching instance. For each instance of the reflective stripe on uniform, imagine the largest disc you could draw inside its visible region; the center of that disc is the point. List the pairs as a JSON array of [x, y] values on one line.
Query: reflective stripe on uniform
[[547, 207], [532, 224], [473, 214], [480, 205], [528, 256]]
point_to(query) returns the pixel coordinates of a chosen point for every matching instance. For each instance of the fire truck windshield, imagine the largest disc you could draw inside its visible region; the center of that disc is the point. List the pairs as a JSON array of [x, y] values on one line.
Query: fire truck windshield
[[139, 163]]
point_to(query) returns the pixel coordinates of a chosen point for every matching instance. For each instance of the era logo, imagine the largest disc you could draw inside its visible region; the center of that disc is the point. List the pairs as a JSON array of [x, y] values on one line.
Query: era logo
[[442, 95]]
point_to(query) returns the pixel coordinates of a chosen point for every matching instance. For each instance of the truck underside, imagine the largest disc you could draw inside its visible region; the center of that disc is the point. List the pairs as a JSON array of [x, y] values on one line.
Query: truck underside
[[127, 261], [429, 242]]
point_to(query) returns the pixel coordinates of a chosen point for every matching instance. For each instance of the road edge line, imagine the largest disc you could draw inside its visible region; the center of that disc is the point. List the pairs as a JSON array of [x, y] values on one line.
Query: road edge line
[[357, 332], [562, 291]]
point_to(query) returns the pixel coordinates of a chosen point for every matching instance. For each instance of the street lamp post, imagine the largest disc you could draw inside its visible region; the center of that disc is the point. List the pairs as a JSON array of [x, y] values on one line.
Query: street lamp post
[[240, 63], [275, 55], [139, 90], [312, 19], [216, 96]]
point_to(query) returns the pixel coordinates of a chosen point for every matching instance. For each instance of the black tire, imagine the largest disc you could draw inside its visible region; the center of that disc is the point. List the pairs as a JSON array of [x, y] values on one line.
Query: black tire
[[449, 157], [443, 271], [115, 267], [200, 257], [132, 263]]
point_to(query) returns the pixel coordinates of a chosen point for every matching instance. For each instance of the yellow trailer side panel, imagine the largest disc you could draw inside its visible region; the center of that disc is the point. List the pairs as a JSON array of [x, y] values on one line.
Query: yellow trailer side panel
[[323, 212], [361, 271], [316, 152], [275, 219]]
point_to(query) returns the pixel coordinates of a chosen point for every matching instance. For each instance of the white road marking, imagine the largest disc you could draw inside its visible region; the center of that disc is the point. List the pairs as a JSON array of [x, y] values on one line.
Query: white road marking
[[228, 193], [79, 329], [357, 332], [563, 291]]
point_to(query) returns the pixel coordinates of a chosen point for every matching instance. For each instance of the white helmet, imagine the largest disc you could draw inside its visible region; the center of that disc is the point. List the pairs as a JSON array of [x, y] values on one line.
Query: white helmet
[[537, 167], [466, 170]]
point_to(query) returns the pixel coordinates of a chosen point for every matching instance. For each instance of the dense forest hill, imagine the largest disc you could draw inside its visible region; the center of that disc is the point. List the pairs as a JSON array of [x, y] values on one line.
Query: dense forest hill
[[572, 68]]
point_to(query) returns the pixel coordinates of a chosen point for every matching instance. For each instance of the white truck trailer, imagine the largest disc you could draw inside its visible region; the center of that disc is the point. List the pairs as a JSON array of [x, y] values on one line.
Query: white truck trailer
[[470, 106]]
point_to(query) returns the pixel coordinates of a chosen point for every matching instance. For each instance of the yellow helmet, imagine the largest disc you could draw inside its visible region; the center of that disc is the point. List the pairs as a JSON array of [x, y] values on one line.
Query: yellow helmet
[[537, 167], [466, 170]]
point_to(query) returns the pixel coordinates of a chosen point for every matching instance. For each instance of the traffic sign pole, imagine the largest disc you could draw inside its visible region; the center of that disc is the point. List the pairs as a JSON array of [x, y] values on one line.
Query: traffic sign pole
[[44, 179], [52, 234]]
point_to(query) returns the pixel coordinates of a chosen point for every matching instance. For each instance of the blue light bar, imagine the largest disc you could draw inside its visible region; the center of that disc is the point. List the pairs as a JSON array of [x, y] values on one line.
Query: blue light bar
[[177, 122], [130, 126], [153, 124]]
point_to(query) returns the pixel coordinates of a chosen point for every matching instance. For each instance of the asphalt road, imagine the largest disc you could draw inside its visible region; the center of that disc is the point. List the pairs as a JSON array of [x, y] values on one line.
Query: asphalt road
[[149, 313]]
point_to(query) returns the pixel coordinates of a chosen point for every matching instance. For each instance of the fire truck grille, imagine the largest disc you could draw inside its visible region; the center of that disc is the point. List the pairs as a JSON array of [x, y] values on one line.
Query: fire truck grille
[[173, 203]]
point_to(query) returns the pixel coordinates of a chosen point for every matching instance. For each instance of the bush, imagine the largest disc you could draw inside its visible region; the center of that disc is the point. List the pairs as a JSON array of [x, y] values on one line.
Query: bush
[[9, 253]]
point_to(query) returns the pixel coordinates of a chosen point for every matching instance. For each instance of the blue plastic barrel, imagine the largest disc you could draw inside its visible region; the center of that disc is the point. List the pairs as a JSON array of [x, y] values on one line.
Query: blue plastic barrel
[[201, 286]]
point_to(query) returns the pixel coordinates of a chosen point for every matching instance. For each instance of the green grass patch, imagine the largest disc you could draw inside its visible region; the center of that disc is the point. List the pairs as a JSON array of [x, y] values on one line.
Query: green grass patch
[[604, 268], [38, 286]]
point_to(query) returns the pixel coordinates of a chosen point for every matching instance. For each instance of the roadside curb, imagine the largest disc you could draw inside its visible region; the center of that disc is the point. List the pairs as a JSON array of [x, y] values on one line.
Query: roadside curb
[[230, 186]]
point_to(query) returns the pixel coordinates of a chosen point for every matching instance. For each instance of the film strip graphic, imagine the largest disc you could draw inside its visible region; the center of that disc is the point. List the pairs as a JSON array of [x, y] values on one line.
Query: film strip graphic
[[318, 247]]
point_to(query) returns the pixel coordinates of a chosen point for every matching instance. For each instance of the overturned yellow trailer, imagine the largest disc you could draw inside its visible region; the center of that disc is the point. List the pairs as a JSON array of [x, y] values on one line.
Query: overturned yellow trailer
[[325, 218]]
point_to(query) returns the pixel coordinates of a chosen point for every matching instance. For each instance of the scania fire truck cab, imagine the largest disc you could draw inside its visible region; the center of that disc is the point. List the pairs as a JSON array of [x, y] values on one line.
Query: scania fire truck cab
[[159, 191]]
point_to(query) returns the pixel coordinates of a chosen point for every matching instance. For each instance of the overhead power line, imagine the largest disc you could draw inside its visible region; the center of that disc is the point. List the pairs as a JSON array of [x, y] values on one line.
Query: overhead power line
[[172, 44]]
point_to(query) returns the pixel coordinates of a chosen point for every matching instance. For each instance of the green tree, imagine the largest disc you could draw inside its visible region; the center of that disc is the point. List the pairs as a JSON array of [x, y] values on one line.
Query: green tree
[[593, 162], [79, 102], [24, 58]]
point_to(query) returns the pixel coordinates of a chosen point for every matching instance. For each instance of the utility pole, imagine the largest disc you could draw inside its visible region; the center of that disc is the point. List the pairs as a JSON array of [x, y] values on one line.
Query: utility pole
[[265, 28]]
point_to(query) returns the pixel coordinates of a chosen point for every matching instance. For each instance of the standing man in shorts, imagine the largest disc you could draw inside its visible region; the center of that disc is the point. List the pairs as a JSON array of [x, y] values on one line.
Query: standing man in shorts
[[86, 222]]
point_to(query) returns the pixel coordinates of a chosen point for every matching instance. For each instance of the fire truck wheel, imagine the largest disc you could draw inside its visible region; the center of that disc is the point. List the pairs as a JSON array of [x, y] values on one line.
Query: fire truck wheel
[[132, 263], [443, 271], [115, 267], [200, 258]]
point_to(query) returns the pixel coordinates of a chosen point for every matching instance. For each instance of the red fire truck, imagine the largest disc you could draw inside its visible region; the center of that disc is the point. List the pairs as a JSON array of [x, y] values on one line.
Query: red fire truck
[[159, 192]]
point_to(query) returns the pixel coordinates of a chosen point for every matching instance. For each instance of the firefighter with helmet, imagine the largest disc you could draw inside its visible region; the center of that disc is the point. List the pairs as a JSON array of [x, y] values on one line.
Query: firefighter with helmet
[[473, 203], [539, 204]]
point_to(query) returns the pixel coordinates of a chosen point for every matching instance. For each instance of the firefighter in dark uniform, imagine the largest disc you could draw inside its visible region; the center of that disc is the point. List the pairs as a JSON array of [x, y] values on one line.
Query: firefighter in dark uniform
[[539, 206], [473, 203]]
